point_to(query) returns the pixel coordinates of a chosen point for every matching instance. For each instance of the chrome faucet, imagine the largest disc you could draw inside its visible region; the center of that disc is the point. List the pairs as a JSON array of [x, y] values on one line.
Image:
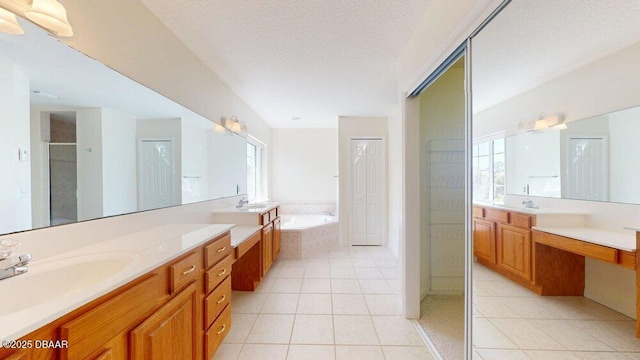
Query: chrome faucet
[[241, 203], [13, 266], [328, 213], [527, 202]]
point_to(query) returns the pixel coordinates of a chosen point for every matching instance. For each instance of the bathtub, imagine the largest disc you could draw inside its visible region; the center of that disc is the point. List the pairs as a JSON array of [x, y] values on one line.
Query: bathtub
[[306, 235]]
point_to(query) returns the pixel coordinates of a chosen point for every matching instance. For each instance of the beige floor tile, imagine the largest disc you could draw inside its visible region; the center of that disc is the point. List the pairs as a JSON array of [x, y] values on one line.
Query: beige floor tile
[[242, 324], [317, 272], [295, 262], [369, 273], [316, 286], [271, 329], [529, 308], [343, 273], [620, 335], [354, 330], [486, 335], [265, 285], [375, 287], [359, 353], [349, 304], [396, 330], [407, 353], [280, 304], [504, 288], [341, 262], [502, 354], [291, 272], [494, 307], [315, 262], [315, 304], [383, 304], [387, 262], [227, 352], [287, 286], [248, 303], [313, 329], [600, 356], [263, 352], [359, 254], [345, 286], [311, 352], [363, 262], [525, 335], [551, 355], [570, 336], [633, 355], [382, 253], [390, 273]]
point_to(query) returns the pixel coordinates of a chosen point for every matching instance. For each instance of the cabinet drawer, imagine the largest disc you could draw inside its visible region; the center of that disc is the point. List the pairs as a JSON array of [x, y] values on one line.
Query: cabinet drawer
[[184, 272], [496, 215], [273, 214], [91, 330], [217, 274], [265, 219], [216, 301], [217, 250], [216, 333], [520, 220], [478, 212]]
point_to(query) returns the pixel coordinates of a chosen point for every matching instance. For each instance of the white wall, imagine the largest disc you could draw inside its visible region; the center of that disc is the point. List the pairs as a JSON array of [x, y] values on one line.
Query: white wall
[[119, 163], [15, 175], [304, 163], [348, 127], [604, 86], [89, 160], [195, 161]]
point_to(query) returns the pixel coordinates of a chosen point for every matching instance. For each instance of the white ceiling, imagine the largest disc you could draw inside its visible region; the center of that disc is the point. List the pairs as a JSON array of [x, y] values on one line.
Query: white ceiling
[[316, 60], [532, 42]]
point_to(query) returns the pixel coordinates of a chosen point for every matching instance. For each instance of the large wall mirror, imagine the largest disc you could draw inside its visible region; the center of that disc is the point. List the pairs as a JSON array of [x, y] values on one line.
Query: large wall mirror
[[80, 141]]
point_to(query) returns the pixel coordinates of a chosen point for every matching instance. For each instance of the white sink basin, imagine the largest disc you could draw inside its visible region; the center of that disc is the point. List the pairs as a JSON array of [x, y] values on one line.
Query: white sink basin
[[49, 280]]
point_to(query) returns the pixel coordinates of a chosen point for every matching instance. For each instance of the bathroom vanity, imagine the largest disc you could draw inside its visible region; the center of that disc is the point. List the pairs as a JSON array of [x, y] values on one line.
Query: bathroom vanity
[[545, 250]]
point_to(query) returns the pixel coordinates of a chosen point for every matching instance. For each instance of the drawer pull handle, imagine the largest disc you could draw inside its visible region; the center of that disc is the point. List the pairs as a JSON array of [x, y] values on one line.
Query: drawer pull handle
[[222, 249], [224, 327], [221, 299], [224, 271], [192, 269]]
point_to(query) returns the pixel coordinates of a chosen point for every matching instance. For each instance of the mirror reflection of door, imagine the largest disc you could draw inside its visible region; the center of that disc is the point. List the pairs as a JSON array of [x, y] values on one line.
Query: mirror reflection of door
[[63, 170], [156, 185], [588, 169]]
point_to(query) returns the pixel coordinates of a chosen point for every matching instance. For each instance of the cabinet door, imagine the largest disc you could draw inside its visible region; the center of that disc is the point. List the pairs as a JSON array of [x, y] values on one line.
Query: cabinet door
[[514, 250], [171, 332], [484, 239], [267, 247], [276, 238]]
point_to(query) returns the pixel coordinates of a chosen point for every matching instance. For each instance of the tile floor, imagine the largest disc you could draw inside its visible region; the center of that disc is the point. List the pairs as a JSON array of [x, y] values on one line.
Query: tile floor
[[341, 304], [511, 322]]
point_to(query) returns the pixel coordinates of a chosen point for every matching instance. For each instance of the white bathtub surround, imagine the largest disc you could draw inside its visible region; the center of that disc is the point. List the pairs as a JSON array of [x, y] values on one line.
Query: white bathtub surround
[[306, 235], [308, 207]]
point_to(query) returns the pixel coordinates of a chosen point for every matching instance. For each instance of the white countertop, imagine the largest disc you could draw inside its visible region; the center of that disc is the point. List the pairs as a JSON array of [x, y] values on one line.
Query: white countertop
[[143, 251], [607, 238], [268, 205], [241, 233], [533, 211]]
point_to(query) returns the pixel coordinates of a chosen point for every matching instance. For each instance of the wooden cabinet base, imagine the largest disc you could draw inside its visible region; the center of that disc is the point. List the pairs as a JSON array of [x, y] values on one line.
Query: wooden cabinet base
[[217, 332]]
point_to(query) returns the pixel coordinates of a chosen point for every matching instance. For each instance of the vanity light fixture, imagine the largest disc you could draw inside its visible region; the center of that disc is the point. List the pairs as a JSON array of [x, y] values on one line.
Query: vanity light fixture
[[234, 125], [51, 15], [9, 23], [544, 122], [48, 14]]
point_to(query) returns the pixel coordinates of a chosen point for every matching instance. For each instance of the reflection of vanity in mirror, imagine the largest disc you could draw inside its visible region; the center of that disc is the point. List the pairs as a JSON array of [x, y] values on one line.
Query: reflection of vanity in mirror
[[589, 160], [559, 251], [99, 144]]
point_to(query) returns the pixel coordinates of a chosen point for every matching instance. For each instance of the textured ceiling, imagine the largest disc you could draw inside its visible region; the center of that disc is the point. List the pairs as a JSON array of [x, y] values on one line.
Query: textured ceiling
[[532, 42], [316, 60]]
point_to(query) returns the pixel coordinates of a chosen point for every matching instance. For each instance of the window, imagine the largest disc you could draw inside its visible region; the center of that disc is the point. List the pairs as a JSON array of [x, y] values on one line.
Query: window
[[488, 161], [254, 169]]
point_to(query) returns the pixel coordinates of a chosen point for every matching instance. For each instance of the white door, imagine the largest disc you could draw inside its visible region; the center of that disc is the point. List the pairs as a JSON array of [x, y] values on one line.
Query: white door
[[588, 169], [156, 184], [368, 191]]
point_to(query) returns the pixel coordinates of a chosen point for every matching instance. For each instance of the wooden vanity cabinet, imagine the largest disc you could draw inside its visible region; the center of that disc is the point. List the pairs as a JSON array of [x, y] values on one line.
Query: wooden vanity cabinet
[[267, 248], [270, 222], [276, 237], [502, 242], [160, 315]]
